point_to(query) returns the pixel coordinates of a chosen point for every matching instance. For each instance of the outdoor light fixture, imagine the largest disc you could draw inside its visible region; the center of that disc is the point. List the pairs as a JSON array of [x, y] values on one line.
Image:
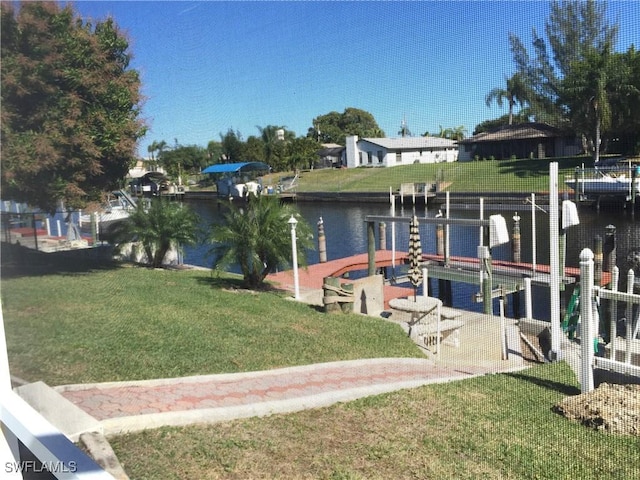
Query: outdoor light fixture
[[294, 251], [498, 233]]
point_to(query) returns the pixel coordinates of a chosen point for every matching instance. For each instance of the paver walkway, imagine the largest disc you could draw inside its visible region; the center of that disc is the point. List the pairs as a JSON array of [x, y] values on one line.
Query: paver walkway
[[129, 406]]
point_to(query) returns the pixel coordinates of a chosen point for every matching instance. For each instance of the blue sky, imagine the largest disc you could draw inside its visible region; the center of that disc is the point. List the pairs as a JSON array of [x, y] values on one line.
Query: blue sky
[[209, 66]]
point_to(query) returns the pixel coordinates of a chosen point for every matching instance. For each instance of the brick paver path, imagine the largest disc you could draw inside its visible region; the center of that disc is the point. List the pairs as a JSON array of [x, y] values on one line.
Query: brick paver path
[[123, 399]]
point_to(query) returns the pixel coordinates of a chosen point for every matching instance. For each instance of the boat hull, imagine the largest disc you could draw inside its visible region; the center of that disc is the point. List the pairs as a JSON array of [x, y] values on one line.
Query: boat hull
[[604, 186]]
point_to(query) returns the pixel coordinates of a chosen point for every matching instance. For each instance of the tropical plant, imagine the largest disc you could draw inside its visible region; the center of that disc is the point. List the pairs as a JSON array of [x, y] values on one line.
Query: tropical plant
[[516, 92], [257, 238], [573, 29], [158, 228], [586, 91]]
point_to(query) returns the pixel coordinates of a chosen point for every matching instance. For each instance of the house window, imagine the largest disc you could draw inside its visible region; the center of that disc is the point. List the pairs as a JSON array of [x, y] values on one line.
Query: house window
[[398, 157], [369, 158], [360, 157], [380, 156]]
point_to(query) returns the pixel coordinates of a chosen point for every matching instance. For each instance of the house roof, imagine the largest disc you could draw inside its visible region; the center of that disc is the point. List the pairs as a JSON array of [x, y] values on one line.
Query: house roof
[[519, 131], [330, 150], [236, 167], [412, 143]]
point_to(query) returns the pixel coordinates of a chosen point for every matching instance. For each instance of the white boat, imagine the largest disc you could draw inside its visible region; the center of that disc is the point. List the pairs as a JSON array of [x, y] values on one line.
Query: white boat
[[605, 184], [118, 207]]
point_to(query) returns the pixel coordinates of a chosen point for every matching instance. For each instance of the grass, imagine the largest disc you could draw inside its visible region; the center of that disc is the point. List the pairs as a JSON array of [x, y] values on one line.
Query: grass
[[492, 427], [521, 175], [125, 323], [136, 323]]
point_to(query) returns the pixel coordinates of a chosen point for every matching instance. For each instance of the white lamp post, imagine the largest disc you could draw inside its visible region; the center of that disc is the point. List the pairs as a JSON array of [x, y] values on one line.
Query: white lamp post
[[294, 250]]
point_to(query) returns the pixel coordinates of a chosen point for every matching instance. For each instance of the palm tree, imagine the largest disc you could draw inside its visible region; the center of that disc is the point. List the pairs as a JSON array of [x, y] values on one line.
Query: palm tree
[[158, 228], [586, 94], [258, 239], [516, 92]]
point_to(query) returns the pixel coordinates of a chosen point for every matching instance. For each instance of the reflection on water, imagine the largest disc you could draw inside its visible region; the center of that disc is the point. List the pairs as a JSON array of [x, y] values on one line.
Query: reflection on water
[[346, 234]]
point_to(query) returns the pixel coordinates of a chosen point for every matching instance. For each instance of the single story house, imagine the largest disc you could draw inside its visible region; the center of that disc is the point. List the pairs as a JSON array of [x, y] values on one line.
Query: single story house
[[392, 152], [523, 140]]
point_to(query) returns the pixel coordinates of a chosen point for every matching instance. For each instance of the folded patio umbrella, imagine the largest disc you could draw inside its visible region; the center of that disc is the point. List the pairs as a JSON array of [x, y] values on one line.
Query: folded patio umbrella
[[415, 256]]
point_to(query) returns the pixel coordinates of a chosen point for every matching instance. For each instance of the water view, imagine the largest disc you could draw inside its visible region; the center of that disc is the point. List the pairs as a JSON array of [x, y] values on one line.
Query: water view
[[346, 235]]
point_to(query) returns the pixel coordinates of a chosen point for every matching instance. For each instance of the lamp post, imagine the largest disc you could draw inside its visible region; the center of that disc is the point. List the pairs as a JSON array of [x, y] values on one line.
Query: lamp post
[[294, 250]]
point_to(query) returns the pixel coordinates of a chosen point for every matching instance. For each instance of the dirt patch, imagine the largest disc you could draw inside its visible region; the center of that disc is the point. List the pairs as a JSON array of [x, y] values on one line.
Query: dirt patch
[[610, 407]]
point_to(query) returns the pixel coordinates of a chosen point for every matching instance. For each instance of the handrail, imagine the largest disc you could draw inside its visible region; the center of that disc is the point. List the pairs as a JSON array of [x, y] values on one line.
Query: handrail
[[57, 453]]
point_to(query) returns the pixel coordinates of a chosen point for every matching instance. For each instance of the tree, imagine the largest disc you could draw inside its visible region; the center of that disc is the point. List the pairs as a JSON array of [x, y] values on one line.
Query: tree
[[585, 92], [257, 238], [573, 29], [275, 139], [624, 97], [158, 228], [516, 92], [334, 127], [214, 151], [233, 148], [302, 152], [70, 106], [183, 159]]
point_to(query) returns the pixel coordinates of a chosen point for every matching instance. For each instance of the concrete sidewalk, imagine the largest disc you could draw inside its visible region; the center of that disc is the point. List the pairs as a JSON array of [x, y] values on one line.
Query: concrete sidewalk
[[133, 406]]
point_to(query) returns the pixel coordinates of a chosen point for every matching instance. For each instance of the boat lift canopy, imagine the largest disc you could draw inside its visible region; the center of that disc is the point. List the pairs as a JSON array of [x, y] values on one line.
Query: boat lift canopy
[[238, 167]]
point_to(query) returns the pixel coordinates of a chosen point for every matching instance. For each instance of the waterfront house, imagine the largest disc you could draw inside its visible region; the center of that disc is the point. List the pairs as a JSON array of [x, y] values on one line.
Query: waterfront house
[[392, 152], [523, 140]]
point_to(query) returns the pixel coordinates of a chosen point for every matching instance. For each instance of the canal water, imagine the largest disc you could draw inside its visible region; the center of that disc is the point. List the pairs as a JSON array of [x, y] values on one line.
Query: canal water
[[346, 235]]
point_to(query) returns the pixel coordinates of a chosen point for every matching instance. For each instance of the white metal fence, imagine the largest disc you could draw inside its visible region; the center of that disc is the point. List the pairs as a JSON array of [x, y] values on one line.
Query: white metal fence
[[590, 297]]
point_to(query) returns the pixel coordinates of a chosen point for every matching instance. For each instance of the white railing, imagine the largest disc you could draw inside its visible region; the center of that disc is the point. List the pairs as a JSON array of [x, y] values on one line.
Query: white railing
[[590, 297], [20, 422]]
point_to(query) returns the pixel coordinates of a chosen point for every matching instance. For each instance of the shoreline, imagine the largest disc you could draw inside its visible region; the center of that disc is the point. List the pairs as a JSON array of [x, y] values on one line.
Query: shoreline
[[383, 197]]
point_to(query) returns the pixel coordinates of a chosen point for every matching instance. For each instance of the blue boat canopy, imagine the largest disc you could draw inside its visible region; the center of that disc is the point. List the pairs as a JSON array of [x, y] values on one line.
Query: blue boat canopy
[[236, 167]]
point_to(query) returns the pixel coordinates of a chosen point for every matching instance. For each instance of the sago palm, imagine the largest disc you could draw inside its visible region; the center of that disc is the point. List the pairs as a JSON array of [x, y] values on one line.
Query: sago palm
[[257, 238], [158, 228]]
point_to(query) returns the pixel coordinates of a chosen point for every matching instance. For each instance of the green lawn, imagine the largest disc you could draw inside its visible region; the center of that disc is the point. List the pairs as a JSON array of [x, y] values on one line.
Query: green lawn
[[124, 323], [491, 427], [136, 323], [521, 175]]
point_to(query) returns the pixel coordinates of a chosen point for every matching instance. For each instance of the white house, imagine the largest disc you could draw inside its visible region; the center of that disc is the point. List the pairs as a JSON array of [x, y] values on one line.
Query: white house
[[391, 152]]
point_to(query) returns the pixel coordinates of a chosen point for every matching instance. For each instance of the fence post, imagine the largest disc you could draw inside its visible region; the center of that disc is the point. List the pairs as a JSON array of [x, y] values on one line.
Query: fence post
[[527, 299], [629, 315], [371, 242], [586, 320], [613, 312]]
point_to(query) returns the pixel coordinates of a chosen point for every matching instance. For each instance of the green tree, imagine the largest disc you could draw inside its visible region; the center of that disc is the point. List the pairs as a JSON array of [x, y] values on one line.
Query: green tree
[[586, 94], [70, 106], [275, 139], [302, 152], [624, 96], [233, 148], [334, 127], [574, 29], [257, 238], [158, 228], [183, 159], [254, 149], [214, 152], [516, 92]]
